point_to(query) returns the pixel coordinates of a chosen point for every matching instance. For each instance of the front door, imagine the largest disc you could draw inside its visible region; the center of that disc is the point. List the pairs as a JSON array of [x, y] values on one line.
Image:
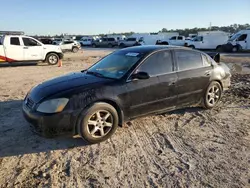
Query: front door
[[33, 50], [13, 49], [242, 41], [156, 93], [194, 72]]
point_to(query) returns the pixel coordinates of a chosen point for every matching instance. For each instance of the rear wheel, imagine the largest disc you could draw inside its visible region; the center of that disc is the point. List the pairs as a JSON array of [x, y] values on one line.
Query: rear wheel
[[192, 46], [52, 58], [98, 123], [94, 45], [212, 95], [110, 45], [219, 48]]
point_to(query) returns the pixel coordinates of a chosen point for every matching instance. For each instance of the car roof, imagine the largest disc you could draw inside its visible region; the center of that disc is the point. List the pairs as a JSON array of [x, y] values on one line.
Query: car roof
[[151, 48]]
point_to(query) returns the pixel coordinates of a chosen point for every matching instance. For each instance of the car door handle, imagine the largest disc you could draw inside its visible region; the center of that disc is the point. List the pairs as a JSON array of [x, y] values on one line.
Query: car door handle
[[171, 83], [25, 47], [208, 73]]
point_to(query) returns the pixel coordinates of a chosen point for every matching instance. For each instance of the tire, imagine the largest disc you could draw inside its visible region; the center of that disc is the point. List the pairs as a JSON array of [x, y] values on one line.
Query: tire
[[75, 49], [122, 45], [94, 45], [192, 46], [110, 45], [96, 125], [212, 95], [235, 49], [219, 48], [52, 58]]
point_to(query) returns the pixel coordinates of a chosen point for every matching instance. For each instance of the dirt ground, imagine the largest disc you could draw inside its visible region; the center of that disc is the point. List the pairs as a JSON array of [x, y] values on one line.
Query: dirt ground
[[185, 148]]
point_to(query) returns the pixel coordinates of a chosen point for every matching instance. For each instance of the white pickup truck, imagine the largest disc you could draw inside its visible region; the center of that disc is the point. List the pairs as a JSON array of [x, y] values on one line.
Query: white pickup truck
[[21, 48], [175, 40]]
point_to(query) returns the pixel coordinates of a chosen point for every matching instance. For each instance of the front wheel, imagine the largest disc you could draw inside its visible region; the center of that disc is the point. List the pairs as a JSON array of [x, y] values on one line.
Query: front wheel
[[98, 123], [212, 95], [75, 49], [235, 49], [52, 59], [110, 45]]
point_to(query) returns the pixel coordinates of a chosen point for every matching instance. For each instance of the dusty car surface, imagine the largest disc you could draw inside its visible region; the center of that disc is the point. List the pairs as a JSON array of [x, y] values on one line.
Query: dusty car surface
[[124, 85]]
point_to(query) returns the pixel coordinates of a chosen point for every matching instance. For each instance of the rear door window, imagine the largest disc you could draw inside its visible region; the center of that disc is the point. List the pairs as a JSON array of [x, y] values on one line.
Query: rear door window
[[157, 64], [187, 60], [179, 38], [15, 41], [111, 39]]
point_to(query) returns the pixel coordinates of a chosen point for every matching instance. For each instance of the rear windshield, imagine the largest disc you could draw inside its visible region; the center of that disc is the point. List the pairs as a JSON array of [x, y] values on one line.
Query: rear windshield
[[116, 65]]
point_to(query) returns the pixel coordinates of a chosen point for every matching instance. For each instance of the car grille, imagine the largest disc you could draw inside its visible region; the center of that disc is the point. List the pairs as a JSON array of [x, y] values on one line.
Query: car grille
[[29, 103]]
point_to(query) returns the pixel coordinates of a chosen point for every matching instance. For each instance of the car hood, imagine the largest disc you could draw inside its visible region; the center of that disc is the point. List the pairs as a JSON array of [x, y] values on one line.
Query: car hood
[[50, 47], [64, 83]]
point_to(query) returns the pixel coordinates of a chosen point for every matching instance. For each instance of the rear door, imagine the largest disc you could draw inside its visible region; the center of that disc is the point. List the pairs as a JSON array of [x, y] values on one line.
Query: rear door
[[33, 50], [14, 50], [104, 42], [193, 76], [156, 93]]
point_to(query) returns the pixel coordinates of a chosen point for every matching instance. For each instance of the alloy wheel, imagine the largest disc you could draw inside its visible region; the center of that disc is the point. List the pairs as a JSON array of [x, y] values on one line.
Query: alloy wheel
[[213, 95], [100, 123], [53, 59]]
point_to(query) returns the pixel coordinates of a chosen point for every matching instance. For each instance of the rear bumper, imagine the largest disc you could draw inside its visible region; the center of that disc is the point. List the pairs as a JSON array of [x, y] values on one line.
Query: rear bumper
[[50, 124]]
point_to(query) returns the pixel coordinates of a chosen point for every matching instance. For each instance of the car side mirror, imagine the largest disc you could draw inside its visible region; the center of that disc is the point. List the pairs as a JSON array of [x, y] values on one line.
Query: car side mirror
[[217, 58], [140, 76]]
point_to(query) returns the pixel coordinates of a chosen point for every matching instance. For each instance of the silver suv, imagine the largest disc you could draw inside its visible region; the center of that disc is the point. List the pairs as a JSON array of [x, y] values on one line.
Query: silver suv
[[105, 42]]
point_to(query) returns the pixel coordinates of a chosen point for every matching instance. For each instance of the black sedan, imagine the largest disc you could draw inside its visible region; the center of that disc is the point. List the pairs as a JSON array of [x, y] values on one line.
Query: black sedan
[[124, 85]]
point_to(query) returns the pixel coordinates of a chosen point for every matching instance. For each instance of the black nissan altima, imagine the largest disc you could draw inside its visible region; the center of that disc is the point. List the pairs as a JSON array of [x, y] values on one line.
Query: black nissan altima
[[124, 85]]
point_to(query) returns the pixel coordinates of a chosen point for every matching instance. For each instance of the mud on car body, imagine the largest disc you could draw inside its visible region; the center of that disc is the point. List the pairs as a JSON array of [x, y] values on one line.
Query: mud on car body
[[124, 85]]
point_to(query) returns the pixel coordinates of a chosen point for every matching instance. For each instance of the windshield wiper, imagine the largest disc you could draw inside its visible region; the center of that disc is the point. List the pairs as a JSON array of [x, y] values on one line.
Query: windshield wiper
[[95, 74]]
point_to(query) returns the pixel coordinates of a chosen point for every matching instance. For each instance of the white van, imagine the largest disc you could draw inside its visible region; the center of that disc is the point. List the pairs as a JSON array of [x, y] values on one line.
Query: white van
[[209, 40], [240, 40]]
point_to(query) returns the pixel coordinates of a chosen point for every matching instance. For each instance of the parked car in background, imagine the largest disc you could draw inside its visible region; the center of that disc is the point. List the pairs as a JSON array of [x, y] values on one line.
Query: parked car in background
[[17, 47], [105, 42], [70, 45], [175, 40], [46, 40], [86, 41], [57, 41], [210, 40], [125, 85], [239, 41], [131, 41]]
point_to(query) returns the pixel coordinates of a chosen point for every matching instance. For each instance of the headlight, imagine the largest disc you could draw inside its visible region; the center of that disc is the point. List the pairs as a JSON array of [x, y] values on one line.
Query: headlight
[[53, 105]]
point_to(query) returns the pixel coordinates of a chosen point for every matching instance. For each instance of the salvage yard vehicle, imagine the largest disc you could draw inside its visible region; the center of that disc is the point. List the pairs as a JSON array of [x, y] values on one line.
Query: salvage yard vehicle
[[105, 42], [240, 41], [70, 45], [175, 40], [211, 40], [16, 47], [129, 83], [131, 41]]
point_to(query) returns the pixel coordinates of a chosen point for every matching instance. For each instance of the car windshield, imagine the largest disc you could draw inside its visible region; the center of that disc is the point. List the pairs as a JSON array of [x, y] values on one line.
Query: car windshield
[[235, 36], [115, 65]]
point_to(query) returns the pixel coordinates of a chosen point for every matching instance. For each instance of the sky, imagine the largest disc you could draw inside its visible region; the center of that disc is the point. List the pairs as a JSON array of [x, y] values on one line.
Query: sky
[[49, 17]]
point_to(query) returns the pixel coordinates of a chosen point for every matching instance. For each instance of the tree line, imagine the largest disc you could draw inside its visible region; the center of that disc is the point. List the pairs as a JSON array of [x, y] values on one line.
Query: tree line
[[234, 28]]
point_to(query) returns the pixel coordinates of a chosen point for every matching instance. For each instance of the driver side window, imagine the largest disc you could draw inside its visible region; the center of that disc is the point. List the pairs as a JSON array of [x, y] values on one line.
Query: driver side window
[[157, 64]]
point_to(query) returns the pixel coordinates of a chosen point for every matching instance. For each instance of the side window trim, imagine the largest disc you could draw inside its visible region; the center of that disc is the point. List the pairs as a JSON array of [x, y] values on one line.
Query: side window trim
[[177, 66]]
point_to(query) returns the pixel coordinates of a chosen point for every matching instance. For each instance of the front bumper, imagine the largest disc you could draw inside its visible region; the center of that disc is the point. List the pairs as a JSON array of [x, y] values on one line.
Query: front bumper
[[226, 83], [50, 124]]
